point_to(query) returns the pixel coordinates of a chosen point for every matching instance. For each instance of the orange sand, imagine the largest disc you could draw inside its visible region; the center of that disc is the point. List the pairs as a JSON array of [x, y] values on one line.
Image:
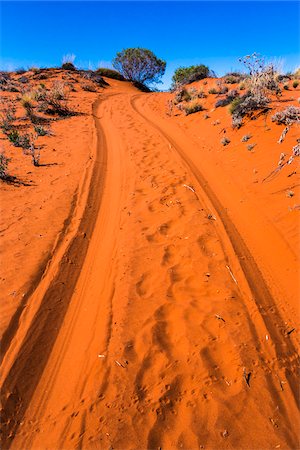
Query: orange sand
[[150, 282]]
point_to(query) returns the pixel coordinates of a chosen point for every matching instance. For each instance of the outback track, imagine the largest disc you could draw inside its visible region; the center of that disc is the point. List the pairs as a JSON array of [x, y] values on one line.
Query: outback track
[[133, 345], [35, 351]]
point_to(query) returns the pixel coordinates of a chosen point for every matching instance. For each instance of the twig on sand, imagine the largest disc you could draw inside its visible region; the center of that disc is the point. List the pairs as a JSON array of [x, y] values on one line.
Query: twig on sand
[[189, 187], [119, 364], [231, 274], [247, 376], [290, 332], [211, 216], [219, 317]]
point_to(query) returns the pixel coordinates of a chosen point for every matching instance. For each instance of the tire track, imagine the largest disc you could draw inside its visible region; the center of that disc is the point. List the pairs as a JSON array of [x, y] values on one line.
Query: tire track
[[285, 349], [24, 375]]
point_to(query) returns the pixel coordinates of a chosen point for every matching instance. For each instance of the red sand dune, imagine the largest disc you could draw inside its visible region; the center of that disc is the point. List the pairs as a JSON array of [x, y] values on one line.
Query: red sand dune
[[149, 281]]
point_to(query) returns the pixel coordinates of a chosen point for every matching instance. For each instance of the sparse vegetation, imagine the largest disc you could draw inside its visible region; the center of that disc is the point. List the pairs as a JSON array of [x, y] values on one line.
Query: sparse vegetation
[[212, 91], [295, 84], [140, 65], [187, 75]]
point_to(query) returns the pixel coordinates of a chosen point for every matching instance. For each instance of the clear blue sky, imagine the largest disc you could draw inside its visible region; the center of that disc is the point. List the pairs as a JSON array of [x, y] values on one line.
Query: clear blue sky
[[183, 33]]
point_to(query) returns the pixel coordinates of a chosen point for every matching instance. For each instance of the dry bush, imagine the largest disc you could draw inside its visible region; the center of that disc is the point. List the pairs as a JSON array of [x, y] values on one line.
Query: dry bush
[[8, 115], [262, 77], [225, 141], [289, 115], [4, 161], [192, 108]]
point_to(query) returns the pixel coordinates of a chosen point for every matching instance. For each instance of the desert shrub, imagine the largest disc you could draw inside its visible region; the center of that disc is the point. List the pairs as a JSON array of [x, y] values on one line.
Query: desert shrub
[[20, 71], [182, 95], [4, 161], [286, 87], [262, 76], [110, 73], [242, 87], [187, 75], [296, 74], [212, 91], [246, 105], [192, 108], [23, 80], [233, 77], [201, 94], [40, 93], [94, 77], [295, 84], [41, 131], [19, 140], [27, 101], [89, 88], [68, 62], [225, 141], [68, 66], [8, 116], [250, 147], [289, 115], [140, 65], [34, 69], [233, 94], [246, 138], [33, 152]]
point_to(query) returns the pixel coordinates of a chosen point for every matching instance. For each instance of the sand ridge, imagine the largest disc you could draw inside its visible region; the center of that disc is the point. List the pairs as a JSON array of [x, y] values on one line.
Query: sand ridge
[[156, 324]]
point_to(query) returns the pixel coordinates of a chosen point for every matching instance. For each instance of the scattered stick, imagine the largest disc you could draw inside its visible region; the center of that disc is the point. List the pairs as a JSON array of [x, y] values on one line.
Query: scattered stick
[[247, 377], [189, 187], [290, 332], [283, 135], [119, 364], [211, 217], [231, 274]]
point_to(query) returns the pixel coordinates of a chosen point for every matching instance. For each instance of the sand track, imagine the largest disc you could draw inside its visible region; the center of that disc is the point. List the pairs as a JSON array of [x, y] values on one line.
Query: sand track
[[153, 317]]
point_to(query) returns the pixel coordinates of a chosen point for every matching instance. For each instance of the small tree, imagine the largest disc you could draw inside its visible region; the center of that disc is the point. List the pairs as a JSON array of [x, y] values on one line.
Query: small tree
[[187, 75], [139, 65]]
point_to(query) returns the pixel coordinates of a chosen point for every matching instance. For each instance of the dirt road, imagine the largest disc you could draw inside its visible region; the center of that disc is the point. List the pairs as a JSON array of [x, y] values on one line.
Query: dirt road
[[153, 326]]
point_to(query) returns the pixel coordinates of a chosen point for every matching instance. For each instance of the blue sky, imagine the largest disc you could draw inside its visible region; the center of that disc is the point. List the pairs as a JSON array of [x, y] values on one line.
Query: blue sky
[[183, 33]]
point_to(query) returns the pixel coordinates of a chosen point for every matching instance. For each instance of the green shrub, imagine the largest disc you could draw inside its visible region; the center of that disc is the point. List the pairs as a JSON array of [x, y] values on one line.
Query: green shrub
[[187, 75], [213, 91], [295, 84], [110, 73]]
